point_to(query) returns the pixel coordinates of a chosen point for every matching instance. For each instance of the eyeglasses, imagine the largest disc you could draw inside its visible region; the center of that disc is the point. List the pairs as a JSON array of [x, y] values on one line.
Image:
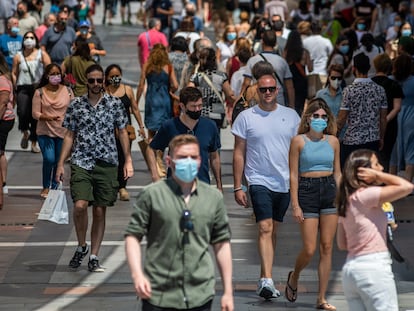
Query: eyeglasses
[[322, 116], [29, 37], [271, 89], [335, 78], [92, 81]]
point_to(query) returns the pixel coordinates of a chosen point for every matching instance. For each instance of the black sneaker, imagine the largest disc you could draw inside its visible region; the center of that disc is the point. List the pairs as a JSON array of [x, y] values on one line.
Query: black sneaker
[[76, 260], [93, 265]]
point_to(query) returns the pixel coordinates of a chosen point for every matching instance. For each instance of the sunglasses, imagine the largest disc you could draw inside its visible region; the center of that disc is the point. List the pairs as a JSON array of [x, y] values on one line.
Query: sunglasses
[[322, 116], [92, 81], [186, 225], [271, 89], [335, 78], [191, 132]]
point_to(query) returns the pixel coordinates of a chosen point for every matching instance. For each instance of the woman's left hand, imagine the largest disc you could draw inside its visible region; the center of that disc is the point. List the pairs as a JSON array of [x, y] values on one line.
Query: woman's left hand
[[298, 215]]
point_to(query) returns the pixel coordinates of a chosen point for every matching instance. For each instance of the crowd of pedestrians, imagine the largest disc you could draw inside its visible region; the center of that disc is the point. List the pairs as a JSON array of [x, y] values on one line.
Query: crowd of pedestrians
[[327, 89]]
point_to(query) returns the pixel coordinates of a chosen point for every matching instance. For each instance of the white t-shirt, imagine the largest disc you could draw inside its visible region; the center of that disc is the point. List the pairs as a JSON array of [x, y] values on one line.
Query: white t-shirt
[[319, 48], [268, 135], [237, 80]]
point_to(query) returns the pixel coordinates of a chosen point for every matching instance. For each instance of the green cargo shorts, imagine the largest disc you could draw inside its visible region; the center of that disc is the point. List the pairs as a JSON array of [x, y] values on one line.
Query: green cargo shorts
[[98, 186]]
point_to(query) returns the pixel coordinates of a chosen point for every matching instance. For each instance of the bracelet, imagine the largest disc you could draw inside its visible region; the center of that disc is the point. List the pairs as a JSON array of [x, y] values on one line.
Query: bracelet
[[237, 189]]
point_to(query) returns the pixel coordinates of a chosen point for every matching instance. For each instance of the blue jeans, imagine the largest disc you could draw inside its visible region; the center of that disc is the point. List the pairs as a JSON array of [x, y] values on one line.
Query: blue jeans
[[369, 284], [50, 147]]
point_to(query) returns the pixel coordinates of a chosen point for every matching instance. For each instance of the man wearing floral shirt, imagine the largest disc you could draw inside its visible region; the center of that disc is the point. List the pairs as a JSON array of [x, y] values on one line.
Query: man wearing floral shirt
[[91, 121]]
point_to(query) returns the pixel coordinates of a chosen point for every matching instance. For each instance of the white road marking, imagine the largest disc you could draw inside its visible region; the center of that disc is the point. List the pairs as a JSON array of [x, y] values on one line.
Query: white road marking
[[104, 243]]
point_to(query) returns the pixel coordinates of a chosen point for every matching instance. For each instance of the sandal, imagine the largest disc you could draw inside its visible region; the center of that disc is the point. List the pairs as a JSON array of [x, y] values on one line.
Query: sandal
[[294, 292], [325, 306]]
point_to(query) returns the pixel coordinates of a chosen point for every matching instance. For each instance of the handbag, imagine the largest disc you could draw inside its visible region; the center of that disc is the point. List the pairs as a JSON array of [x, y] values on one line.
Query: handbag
[[131, 132], [241, 105], [143, 146], [218, 112], [69, 79], [55, 207]]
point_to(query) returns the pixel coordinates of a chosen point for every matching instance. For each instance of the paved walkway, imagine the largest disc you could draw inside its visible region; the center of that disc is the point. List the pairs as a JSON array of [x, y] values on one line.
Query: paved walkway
[[35, 254]]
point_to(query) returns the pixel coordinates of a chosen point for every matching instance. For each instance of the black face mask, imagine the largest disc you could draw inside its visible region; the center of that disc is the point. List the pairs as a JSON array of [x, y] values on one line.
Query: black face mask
[[195, 115], [20, 13]]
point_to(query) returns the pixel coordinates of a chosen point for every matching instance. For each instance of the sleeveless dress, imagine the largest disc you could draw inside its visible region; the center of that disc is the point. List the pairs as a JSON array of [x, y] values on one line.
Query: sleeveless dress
[[157, 100]]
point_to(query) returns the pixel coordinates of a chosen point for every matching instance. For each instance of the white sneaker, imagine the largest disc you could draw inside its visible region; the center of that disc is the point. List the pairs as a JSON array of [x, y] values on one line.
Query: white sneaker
[[266, 289], [5, 190]]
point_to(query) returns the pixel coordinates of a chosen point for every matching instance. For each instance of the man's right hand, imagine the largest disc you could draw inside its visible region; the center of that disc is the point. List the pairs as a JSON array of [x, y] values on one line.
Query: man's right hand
[[241, 198], [60, 171], [143, 287]]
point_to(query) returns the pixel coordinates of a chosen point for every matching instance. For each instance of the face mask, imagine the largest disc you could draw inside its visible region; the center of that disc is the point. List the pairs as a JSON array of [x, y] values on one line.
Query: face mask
[[318, 125], [231, 36], [15, 30], [29, 43], [186, 169], [55, 79], [115, 81], [344, 49], [398, 24], [334, 84], [84, 31], [406, 32], [62, 23], [361, 26], [195, 115], [20, 13]]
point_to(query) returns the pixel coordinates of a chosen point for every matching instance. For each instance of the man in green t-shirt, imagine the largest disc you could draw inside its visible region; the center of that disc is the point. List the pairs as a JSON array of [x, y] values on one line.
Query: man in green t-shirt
[[180, 217]]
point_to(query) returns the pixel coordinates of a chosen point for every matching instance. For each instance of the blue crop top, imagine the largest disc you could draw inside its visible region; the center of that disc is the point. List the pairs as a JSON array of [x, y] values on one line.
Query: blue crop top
[[316, 156]]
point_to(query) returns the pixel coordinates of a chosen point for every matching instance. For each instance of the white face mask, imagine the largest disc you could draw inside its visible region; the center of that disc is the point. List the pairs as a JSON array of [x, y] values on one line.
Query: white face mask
[[335, 84], [29, 43]]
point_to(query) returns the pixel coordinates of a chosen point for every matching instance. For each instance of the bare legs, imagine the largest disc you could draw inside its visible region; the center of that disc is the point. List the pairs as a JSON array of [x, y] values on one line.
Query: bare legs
[[80, 217], [309, 231], [267, 245]]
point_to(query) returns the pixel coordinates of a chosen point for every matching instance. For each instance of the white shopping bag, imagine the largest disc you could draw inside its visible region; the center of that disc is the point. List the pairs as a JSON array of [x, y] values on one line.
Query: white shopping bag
[[55, 207]]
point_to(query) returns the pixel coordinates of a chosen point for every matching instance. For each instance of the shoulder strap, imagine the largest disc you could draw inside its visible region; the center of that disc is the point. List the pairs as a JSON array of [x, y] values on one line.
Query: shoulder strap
[[148, 40], [28, 68], [277, 76], [211, 85]]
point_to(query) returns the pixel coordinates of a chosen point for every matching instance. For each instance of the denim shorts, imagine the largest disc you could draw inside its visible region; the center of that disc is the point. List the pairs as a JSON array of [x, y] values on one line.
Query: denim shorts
[[316, 196], [268, 204]]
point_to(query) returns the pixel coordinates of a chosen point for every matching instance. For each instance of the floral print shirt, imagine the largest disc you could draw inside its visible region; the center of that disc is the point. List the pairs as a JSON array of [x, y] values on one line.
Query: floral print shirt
[[363, 100], [94, 129]]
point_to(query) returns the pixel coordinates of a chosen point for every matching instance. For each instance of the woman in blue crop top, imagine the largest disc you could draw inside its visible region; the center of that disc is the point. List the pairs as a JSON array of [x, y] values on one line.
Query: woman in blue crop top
[[314, 172]]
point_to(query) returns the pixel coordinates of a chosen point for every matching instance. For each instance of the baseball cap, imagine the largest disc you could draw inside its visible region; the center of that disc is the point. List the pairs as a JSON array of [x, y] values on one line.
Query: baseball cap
[[84, 24]]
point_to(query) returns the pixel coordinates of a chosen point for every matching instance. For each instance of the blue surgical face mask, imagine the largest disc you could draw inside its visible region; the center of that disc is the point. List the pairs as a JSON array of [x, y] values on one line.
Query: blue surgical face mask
[[344, 49], [186, 169], [84, 31], [397, 23], [231, 36], [361, 26], [406, 32], [15, 30], [318, 125]]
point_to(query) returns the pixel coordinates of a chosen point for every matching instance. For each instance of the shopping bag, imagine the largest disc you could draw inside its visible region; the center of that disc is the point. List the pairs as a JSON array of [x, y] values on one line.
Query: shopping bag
[[55, 207]]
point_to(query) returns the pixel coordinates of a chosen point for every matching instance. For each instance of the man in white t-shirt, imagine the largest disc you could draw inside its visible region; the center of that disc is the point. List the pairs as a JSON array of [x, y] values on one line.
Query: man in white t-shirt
[[261, 150]]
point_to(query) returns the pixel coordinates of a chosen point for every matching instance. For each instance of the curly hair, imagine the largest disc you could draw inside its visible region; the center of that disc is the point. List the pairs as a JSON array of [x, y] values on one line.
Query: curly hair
[[314, 105], [157, 59]]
